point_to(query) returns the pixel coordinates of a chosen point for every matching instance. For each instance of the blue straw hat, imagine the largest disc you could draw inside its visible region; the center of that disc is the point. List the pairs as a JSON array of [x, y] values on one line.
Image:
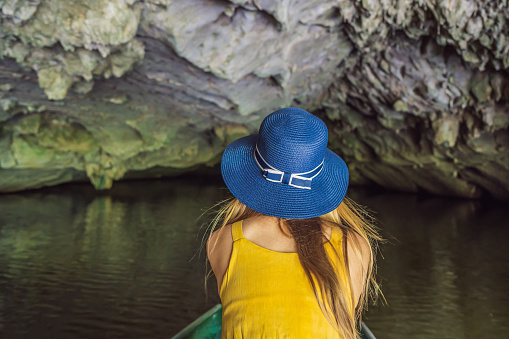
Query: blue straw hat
[[286, 170]]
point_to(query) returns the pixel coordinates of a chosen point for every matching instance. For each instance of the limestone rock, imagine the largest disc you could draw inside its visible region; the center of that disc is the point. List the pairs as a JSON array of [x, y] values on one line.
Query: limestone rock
[[424, 125], [414, 92], [65, 42]]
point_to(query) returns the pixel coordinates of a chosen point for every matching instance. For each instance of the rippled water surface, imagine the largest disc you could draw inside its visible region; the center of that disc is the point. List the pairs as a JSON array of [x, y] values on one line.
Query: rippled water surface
[[75, 263]]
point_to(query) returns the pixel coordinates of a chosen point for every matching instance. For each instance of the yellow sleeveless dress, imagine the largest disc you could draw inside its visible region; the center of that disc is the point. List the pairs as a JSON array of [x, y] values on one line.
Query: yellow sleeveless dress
[[266, 294]]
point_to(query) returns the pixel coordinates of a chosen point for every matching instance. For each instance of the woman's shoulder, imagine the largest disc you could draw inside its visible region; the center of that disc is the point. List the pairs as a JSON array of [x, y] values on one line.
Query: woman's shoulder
[[219, 249], [359, 256], [358, 246], [219, 239]]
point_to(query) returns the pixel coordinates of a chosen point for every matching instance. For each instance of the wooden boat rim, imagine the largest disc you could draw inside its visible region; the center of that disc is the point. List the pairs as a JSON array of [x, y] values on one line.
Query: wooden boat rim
[[192, 326]]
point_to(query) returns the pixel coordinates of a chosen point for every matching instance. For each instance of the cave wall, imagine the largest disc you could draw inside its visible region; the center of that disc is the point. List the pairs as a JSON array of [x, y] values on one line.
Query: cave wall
[[414, 92]]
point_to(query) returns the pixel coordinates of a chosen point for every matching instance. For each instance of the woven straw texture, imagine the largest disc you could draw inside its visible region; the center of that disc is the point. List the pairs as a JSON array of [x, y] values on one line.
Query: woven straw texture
[[291, 140]]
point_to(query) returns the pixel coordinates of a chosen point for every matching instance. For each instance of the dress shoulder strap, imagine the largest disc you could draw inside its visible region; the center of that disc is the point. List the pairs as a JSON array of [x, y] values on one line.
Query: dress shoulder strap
[[338, 240], [336, 236], [237, 230]]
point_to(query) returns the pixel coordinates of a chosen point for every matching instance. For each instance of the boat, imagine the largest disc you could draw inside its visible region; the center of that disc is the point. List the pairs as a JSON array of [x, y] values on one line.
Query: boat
[[208, 326]]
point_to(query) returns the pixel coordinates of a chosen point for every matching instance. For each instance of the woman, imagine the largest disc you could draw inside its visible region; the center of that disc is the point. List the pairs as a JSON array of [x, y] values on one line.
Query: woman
[[293, 257]]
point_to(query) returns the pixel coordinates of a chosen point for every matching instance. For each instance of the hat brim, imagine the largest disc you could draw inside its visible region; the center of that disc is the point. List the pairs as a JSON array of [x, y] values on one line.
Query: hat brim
[[244, 179]]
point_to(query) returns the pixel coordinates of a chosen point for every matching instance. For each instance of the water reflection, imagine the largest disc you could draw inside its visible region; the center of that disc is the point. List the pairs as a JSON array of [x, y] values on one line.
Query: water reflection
[[114, 265], [446, 275], [75, 263]]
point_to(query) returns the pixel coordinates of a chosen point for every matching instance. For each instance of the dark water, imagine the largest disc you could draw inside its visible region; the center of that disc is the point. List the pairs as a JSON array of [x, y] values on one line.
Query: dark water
[[447, 274], [124, 263]]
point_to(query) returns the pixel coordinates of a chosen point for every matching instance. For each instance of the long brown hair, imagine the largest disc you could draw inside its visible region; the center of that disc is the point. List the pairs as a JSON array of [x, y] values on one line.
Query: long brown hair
[[334, 297]]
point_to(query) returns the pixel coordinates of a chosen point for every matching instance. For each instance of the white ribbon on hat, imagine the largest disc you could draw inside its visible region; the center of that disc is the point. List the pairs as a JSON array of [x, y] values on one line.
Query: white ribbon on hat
[[299, 180]]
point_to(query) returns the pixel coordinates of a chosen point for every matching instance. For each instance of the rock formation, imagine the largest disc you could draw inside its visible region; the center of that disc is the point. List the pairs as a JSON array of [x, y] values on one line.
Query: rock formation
[[415, 92]]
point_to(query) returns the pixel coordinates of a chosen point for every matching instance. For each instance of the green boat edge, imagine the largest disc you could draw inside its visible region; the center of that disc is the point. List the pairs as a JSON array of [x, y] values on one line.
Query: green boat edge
[[208, 326]]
